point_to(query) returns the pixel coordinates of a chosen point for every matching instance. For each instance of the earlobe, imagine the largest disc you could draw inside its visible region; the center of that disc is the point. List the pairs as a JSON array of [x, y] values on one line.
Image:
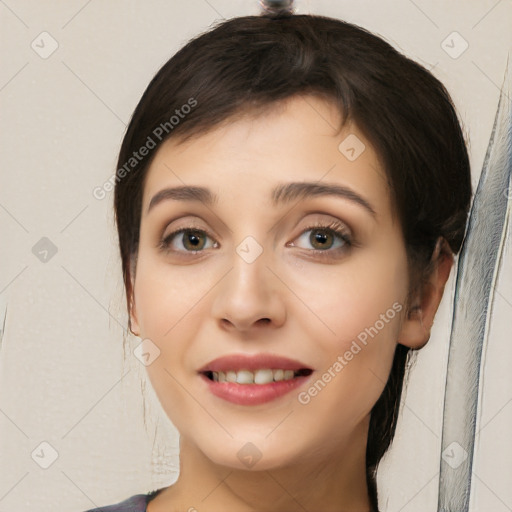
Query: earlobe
[[416, 327]]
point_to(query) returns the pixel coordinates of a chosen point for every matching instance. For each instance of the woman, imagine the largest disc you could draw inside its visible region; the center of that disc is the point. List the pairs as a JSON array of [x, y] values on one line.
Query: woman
[[289, 197]]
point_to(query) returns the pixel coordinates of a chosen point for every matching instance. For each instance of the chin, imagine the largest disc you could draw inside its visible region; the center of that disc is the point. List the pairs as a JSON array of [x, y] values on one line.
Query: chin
[[251, 453]]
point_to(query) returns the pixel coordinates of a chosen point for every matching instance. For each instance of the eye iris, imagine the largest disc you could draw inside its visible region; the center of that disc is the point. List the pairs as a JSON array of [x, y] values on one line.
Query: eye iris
[[193, 238], [321, 237]]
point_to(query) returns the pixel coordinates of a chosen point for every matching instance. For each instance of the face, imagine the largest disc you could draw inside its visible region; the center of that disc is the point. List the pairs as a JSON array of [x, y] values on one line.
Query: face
[[283, 262]]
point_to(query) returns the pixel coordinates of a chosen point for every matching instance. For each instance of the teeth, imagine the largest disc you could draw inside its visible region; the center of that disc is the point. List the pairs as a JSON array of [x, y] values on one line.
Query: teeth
[[263, 376], [288, 374], [243, 377], [231, 376]]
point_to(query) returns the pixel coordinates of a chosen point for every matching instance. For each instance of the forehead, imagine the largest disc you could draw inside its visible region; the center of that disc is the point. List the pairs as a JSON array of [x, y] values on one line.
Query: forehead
[[248, 154]]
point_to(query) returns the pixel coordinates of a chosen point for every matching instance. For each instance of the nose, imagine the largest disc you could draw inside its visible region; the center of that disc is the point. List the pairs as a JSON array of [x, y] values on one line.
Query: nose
[[249, 297]]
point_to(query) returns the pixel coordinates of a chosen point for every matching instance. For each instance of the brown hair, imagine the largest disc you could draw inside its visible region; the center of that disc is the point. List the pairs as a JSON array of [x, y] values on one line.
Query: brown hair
[[252, 62]]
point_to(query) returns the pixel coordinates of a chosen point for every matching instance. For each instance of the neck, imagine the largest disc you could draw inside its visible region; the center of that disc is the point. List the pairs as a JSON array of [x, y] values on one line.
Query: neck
[[334, 481]]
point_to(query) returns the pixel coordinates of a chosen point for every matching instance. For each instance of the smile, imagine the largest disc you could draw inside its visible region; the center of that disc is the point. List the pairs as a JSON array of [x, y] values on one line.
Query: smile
[[263, 376], [253, 379]]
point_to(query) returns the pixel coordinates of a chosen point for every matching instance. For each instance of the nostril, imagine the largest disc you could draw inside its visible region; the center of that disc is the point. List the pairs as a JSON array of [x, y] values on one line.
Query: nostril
[[245, 324]]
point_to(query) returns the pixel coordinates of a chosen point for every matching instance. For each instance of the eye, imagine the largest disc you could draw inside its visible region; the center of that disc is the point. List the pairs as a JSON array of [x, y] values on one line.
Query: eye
[[187, 240], [323, 238]]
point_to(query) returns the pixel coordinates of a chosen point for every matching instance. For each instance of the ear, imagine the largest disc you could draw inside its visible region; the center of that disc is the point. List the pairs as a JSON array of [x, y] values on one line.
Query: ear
[[416, 327], [133, 321]]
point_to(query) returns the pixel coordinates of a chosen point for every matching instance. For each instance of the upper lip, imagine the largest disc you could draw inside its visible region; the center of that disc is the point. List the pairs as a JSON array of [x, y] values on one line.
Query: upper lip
[[237, 362]]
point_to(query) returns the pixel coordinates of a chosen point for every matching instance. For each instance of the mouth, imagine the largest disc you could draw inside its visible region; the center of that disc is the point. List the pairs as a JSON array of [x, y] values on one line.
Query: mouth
[[245, 379]]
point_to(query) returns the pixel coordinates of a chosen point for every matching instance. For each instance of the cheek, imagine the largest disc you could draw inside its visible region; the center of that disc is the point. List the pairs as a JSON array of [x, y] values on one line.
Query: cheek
[[170, 309], [358, 310], [346, 301], [167, 297]]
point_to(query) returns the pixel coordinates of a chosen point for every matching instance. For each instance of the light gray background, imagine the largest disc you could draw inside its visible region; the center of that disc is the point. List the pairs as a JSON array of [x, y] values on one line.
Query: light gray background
[[63, 380]]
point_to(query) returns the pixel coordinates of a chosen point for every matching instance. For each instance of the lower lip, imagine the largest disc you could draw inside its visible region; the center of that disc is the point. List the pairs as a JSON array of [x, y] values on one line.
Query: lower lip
[[253, 394]]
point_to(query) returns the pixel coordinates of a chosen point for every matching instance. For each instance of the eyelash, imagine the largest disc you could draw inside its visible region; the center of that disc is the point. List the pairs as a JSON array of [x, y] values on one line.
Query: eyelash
[[335, 228]]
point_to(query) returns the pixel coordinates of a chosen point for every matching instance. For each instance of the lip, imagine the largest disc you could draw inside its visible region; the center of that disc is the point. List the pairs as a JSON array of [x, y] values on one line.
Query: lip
[[238, 362], [252, 394]]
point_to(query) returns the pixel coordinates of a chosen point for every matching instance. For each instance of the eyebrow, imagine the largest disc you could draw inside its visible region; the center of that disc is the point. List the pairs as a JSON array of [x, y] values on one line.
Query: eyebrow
[[183, 193], [281, 194]]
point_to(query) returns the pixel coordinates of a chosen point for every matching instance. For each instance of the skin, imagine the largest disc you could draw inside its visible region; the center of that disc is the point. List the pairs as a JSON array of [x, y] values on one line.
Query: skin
[[290, 301]]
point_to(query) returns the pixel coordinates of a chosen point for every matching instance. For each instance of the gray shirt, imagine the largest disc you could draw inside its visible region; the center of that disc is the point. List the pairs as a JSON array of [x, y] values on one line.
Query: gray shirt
[[136, 503]]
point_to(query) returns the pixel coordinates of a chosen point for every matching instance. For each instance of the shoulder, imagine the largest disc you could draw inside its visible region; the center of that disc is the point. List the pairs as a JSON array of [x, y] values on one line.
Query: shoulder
[[135, 503]]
